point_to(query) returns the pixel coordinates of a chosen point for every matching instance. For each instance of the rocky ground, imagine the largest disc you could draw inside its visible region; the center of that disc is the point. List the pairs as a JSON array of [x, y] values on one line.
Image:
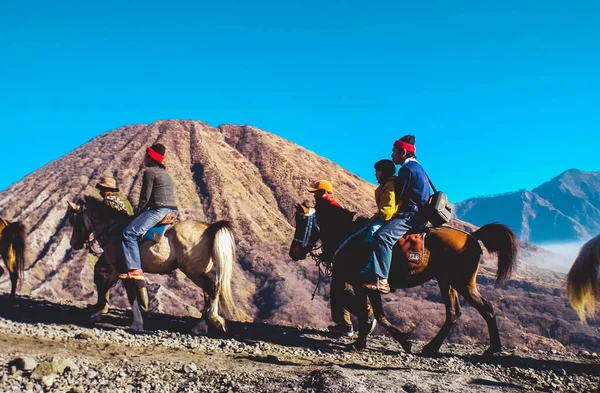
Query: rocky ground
[[50, 347]]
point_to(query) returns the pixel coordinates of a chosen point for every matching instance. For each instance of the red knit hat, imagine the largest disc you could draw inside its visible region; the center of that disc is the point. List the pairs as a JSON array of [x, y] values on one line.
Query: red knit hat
[[156, 152]]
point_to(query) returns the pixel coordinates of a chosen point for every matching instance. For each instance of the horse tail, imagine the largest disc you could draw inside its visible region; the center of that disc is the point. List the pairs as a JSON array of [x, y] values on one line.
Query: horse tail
[[502, 241], [223, 255], [583, 286]]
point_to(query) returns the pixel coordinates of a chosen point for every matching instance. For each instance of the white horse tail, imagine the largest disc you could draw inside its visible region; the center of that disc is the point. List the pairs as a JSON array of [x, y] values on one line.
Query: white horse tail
[[583, 282], [223, 255]]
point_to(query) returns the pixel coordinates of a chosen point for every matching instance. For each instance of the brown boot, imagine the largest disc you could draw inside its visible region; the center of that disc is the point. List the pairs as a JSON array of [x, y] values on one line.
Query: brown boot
[[381, 285]]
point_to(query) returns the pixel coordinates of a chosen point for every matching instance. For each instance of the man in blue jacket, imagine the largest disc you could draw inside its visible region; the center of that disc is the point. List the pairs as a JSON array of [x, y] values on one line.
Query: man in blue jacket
[[412, 193]]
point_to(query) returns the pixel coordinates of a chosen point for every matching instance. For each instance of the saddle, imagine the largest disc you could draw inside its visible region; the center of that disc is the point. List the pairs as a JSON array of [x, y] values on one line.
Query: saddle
[[413, 253], [156, 233]]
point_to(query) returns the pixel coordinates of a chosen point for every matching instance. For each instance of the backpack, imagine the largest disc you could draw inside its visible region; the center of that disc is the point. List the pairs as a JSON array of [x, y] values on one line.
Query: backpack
[[437, 209]]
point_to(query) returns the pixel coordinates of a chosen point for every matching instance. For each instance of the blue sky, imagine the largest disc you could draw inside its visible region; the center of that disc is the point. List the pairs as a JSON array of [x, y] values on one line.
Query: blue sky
[[500, 95]]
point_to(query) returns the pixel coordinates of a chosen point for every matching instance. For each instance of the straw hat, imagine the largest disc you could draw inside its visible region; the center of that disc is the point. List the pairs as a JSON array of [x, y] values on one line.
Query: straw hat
[[107, 183]]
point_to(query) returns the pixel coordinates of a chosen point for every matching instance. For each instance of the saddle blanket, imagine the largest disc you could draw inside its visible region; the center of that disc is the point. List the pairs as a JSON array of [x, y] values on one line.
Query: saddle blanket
[[155, 234], [412, 248]]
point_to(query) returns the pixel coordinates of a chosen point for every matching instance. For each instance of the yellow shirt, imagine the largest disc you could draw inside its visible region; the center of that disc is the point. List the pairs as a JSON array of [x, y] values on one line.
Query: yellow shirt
[[385, 197]]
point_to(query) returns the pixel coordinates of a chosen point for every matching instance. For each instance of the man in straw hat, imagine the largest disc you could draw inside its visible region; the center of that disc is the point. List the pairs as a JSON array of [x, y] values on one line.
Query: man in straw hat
[[104, 276], [110, 194]]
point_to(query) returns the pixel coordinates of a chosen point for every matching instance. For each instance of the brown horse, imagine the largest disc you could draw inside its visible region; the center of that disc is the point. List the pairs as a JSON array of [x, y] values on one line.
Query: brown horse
[[194, 247], [453, 260], [12, 250], [583, 281]]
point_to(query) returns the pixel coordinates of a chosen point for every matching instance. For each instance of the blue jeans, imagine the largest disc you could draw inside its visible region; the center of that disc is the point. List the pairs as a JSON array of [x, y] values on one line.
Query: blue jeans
[[144, 221], [385, 238], [374, 227]]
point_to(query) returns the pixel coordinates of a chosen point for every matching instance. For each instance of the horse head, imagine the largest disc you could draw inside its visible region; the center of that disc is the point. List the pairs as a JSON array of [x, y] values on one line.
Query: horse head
[[79, 220], [307, 232]]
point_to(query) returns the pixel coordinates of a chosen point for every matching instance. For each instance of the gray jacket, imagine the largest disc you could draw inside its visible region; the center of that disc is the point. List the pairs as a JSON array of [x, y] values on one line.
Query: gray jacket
[[158, 189]]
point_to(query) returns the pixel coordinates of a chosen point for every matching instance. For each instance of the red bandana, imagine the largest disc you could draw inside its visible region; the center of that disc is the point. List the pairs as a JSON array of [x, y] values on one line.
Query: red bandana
[[329, 198], [406, 146], [154, 155]]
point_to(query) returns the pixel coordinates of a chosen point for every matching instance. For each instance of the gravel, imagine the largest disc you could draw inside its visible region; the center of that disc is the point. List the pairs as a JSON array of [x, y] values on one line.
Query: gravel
[[44, 357]]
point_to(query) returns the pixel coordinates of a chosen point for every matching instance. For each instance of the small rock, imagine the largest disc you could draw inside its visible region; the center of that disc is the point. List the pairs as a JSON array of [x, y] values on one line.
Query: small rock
[[412, 388], [91, 374], [25, 363], [190, 368], [85, 335], [48, 380]]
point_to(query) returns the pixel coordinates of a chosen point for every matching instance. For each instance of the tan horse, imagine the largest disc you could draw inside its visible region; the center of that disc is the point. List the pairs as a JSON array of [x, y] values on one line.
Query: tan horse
[[583, 281], [12, 250], [453, 259], [194, 247]]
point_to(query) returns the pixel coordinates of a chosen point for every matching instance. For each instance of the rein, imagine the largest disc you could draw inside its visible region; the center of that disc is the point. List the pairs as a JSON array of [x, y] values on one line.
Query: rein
[[93, 241], [324, 266]]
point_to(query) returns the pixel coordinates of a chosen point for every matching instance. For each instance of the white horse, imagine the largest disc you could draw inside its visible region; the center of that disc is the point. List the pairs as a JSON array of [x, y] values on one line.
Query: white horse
[[194, 247]]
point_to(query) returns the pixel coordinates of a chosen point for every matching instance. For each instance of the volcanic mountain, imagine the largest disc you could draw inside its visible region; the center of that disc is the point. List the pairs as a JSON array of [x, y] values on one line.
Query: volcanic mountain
[[254, 179]]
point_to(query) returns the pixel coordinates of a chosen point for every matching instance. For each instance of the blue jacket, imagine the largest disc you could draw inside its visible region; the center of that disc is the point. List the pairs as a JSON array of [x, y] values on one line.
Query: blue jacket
[[412, 186]]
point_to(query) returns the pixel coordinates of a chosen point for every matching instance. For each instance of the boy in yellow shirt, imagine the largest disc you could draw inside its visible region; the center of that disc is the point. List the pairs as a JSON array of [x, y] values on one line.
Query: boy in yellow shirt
[[387, 206]]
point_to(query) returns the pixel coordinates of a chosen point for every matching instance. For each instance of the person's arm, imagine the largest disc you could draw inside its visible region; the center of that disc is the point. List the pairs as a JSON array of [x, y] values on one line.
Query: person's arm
[[147, 184]]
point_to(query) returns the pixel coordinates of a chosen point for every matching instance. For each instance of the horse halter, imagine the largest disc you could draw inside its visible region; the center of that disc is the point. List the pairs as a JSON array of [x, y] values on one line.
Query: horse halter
[[311, 222]]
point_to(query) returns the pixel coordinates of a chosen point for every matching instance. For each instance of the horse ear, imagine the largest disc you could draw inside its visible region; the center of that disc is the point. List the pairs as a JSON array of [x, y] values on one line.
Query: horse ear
[[300, 208], [74, 206]]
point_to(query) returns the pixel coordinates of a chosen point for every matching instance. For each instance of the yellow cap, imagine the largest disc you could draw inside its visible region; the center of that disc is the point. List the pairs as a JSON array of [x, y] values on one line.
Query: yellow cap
[[324, 185]]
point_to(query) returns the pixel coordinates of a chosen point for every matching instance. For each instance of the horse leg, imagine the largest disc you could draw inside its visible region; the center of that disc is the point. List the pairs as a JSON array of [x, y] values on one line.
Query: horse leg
[[402, 338], [137, 294], [208, 288], [472, 295], [450, 298], [363, 318], [14, 280]]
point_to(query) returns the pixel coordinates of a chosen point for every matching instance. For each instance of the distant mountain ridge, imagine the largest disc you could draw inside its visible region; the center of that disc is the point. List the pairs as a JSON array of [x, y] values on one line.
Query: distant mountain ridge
[[564, 209]]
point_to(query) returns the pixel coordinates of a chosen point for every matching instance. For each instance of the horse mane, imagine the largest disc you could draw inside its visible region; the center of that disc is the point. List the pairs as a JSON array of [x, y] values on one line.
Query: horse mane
[[340, 216], [97, 206]]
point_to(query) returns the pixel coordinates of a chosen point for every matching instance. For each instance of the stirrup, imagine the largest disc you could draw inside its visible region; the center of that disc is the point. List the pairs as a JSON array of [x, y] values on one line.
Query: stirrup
[[137, 274]]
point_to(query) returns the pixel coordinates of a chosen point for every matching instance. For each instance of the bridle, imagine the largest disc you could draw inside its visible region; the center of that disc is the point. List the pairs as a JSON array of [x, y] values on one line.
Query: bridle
[[311, 221], [324, 266], [89, 243]]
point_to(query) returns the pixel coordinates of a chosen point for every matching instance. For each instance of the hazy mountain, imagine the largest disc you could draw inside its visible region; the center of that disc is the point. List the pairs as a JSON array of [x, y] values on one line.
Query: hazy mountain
[[564, 209]]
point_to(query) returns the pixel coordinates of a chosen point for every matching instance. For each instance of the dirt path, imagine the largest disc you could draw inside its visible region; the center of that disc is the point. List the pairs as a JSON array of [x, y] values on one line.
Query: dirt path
[[255, 358]]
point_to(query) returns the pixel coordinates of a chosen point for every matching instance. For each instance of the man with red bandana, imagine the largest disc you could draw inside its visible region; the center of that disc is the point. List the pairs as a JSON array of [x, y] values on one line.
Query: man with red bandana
[[412, 193]]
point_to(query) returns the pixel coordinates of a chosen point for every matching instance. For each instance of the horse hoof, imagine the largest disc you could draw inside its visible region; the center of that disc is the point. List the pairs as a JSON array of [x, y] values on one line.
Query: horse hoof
[[491, 351], [201, 328], [407, 346], [137, 327], [358, 345], [96, 317], [430, 350]]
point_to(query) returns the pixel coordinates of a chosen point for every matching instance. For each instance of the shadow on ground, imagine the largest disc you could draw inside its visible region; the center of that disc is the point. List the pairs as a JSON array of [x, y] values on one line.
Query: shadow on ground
[[34, 311]]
